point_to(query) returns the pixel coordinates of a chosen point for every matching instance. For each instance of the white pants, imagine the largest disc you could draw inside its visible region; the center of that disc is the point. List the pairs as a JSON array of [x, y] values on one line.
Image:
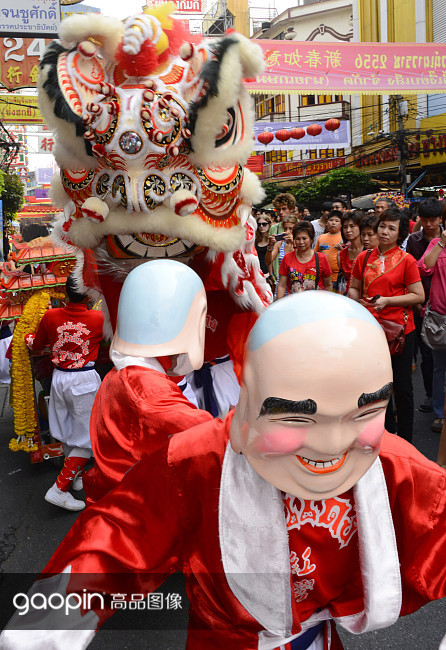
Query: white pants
[[71, 400], [5, 364]]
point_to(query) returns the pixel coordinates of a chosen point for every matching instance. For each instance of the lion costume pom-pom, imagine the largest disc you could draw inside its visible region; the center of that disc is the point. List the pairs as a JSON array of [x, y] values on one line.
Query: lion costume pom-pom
[[148, 40]]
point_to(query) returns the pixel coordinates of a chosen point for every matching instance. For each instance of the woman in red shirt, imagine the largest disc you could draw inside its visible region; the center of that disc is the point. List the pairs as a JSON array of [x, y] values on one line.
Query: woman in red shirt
[[302, 268], [351, 246], [386, 281]]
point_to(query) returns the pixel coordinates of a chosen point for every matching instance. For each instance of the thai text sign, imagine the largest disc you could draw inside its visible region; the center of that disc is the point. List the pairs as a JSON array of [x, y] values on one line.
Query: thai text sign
[[300, 169], [183, 6], [19, 61], [333, 68], [33, 18], [20, 109], [339, 139]]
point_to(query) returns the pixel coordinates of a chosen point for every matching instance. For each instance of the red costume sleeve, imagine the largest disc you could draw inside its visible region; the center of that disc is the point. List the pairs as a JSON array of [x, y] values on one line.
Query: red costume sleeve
[[417, 495], [135, 412]]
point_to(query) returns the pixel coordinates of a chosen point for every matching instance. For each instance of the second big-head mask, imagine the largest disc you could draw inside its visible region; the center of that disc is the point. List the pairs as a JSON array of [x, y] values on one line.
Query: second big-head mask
[[316, 383], [162, 312]]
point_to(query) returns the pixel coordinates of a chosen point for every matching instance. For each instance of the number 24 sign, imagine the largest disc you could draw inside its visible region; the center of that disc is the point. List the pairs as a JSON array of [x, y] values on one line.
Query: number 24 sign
[[19, 61]]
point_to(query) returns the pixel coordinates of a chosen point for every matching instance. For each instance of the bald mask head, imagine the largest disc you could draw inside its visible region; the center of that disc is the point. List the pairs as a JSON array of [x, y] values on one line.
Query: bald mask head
[[316, 384]]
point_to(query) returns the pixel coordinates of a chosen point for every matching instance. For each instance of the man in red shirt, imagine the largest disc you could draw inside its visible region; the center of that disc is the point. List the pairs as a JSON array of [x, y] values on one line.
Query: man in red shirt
[[73, 334]]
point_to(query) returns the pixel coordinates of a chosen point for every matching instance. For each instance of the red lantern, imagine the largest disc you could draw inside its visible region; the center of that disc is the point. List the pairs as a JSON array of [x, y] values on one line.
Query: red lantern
[[283, 135], [314, 129], [265, 137], [297, 133], [333, 124]]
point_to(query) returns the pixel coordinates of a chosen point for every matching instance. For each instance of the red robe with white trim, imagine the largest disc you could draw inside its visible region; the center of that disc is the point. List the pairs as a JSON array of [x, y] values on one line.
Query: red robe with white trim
[[164, 517]]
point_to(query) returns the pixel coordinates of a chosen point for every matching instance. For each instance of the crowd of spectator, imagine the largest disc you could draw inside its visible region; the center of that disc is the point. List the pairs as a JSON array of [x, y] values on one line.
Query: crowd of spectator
[[393, 264]]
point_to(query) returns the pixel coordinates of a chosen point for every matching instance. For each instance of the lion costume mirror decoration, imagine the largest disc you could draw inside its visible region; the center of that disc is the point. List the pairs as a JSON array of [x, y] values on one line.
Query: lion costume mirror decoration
[[152, 132]]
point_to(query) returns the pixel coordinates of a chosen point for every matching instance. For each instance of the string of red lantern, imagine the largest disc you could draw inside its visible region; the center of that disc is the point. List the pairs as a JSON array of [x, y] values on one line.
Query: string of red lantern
[[297, 132]]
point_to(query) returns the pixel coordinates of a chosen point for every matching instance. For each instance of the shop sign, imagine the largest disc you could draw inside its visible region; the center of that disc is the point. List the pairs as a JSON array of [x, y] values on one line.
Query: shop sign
[[31, 18], [387, 155], [20, 109], [19, 61], [300, 169]]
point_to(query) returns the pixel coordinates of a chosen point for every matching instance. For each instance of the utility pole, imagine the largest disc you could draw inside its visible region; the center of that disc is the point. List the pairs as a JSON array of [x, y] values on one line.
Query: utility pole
[[401, 144]]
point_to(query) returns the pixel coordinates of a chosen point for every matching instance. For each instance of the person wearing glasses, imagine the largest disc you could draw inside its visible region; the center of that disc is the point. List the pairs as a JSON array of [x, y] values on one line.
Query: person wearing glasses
[[262, 239]]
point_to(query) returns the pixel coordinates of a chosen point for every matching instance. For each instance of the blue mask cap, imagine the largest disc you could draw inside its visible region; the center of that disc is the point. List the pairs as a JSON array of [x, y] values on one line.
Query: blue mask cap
[[155, 301], [303, 308]]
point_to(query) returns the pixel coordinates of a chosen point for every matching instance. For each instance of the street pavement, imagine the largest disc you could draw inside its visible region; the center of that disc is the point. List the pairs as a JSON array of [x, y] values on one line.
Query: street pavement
[[31, 528]]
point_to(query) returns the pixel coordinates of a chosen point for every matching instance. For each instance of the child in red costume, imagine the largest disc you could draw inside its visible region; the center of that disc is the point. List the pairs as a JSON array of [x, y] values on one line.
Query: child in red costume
[[73, 334]]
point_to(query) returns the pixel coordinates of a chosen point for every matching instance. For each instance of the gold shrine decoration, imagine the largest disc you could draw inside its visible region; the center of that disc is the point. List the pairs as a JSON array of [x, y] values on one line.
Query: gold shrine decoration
[[22, 389]]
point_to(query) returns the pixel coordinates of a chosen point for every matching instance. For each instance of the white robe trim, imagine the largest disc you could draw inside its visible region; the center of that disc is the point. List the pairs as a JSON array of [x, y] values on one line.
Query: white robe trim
[[121, 361], [255, 552]]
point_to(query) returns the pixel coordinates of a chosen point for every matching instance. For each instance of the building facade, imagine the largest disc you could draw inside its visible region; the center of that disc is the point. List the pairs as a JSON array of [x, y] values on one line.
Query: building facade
[[328, 21]]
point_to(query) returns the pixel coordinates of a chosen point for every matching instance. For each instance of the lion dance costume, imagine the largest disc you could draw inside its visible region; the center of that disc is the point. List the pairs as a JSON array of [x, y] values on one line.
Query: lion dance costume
[[152, 132]]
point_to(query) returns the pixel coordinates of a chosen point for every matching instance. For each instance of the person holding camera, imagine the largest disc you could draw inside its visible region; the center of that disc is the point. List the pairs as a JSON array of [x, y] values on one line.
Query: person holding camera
[[281, 244]]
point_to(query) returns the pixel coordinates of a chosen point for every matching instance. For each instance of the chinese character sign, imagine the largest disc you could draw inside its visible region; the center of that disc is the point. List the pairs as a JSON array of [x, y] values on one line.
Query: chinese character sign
[[30, 17], [296, 67], [45, 144], [19, 61]]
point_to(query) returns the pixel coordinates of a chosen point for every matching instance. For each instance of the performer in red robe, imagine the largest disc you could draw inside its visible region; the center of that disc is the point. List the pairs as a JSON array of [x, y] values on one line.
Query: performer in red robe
[[159, 332], [295, 514]]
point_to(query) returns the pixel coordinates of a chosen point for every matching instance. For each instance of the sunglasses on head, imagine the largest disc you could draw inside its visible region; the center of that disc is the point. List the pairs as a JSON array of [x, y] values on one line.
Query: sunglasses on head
[[263, 223]]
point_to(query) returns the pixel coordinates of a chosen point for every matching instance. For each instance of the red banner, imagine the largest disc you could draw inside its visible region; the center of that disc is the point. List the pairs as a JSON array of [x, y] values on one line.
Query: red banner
[[322, 67]]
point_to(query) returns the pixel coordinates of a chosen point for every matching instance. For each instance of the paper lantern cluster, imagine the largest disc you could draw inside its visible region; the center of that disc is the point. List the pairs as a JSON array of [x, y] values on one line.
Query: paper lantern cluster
[[297, 133]]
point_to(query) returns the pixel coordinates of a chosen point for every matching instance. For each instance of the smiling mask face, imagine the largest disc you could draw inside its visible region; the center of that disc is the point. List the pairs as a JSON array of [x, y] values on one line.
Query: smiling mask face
[[311, 414]]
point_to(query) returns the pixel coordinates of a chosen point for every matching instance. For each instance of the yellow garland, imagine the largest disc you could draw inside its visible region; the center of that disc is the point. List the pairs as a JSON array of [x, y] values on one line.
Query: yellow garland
[[22, 382]]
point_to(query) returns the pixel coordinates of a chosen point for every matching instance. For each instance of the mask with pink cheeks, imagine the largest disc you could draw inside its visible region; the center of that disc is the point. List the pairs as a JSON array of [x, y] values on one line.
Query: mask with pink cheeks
[[370, 436], [281, 441]]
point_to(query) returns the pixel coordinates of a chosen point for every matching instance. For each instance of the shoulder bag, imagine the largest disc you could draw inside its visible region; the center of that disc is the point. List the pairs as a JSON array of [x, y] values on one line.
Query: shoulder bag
[[433, 331]]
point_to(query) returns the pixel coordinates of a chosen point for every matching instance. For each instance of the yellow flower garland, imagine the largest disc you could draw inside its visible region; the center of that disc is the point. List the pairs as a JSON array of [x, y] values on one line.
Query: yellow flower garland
[[22, 382]]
